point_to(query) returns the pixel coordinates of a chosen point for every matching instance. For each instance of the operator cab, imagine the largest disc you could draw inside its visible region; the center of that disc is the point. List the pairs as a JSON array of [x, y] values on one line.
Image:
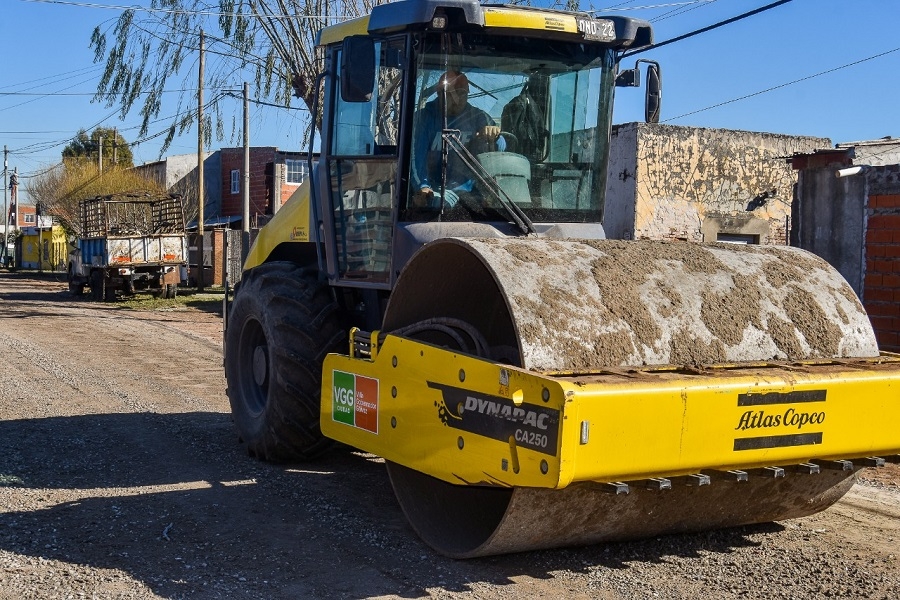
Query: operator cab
[[405, 158], [544, 96]]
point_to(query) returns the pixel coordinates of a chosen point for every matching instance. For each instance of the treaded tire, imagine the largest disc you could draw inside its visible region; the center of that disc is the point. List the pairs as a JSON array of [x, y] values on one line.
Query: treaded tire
[[98, 286], [75, 288], [282, 323]]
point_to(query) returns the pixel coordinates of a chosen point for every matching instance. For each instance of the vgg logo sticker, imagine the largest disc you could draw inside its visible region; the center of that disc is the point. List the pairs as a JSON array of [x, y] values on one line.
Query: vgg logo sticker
[[354, 400], [793, 417]]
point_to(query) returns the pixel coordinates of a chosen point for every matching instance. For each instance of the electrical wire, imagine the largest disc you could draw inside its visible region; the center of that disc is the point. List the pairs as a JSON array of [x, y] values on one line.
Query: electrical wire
[[680, 11], [51, 94], [705, 29], [5, 108], [263, 103], [176, 11], [782, 85], [616, 7], [55, 78]]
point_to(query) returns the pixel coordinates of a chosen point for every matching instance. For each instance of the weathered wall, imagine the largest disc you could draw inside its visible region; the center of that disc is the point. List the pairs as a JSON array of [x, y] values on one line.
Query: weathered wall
[[830, 218], [700, 184], [854, 223]]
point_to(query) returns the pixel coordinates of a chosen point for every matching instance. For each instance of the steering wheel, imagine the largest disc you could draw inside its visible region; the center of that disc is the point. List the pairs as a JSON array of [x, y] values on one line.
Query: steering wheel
[[512, 142]]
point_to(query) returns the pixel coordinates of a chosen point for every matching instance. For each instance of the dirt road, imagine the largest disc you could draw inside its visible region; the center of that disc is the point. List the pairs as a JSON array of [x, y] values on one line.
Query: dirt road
[[121, 477]]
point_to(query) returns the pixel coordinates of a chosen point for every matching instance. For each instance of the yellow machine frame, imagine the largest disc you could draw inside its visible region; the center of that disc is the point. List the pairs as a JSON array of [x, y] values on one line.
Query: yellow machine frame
[[467, 420]]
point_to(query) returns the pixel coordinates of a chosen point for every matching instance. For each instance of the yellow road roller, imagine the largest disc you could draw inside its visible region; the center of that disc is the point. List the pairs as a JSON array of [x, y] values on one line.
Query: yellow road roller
[[441, 293]]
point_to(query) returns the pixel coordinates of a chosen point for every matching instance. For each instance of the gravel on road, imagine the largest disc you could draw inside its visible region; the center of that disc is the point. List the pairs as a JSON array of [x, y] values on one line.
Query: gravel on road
[[121, 476]]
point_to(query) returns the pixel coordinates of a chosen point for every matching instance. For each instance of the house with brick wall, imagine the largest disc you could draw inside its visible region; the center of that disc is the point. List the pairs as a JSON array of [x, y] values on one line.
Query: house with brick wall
[[847, 210], [26, 216], [274, 176]]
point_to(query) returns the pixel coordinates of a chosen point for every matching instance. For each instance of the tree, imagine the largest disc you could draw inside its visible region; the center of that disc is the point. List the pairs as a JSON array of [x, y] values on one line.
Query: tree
[[274, 39], [116, 151], [58, 190]]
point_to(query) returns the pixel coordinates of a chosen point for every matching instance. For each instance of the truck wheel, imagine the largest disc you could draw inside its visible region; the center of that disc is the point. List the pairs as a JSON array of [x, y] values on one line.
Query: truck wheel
[[97, 286], [75, 288], [282, 323], [109, 293]]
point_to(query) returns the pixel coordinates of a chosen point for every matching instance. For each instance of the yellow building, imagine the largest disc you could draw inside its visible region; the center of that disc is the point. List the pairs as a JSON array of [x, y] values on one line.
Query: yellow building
[[42, 249]]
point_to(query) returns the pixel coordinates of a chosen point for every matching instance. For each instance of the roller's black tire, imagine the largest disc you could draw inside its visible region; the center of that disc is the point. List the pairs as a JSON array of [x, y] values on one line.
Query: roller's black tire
[[282, 323]]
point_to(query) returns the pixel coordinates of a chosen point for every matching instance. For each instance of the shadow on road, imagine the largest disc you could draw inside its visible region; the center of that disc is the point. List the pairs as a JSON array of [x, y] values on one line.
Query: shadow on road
[[173, 501]]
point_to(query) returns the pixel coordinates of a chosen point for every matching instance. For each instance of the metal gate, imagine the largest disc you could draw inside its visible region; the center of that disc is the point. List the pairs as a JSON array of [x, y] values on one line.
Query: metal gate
[[232, 256]]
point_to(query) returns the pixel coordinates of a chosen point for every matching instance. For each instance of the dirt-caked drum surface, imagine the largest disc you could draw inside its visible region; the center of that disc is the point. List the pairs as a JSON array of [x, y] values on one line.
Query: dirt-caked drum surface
[[581, 305]]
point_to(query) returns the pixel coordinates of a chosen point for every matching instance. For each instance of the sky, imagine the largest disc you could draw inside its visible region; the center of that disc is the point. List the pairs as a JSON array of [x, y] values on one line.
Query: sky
[[822, 68]]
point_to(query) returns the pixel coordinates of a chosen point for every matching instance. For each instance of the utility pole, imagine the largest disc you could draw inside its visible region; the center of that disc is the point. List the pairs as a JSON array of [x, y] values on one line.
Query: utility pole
[[100, 153], [201, 192], [115, 146], [3, 251], [14, 205], [245, 217]]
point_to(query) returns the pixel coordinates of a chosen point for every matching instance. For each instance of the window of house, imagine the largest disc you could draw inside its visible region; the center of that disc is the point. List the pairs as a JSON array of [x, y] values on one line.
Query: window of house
[[28, 218], [235, 181], [295, 170], [737, 238]]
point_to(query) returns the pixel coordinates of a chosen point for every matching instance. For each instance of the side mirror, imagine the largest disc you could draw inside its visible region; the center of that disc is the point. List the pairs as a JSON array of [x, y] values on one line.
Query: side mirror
[[653, 97], [357, 68]]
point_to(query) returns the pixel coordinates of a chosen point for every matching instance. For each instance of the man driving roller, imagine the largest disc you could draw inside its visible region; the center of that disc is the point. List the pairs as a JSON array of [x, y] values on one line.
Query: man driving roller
[[477, 132]]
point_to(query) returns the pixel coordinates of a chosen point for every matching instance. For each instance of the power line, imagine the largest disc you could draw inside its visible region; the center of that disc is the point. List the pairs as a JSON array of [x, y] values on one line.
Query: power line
[[709, 28], [263, 103], [32, 132], [35, 99], [46, 94], [649, 6], [680, 11], [55, 78], [776, 87], [176, 11]]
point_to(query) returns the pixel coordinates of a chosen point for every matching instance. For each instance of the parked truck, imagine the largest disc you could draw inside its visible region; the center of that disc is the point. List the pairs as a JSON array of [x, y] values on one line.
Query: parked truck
[[129, 243]]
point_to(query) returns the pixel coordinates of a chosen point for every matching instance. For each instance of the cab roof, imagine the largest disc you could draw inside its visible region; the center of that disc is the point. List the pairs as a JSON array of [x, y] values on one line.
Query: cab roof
[[416, 15]]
